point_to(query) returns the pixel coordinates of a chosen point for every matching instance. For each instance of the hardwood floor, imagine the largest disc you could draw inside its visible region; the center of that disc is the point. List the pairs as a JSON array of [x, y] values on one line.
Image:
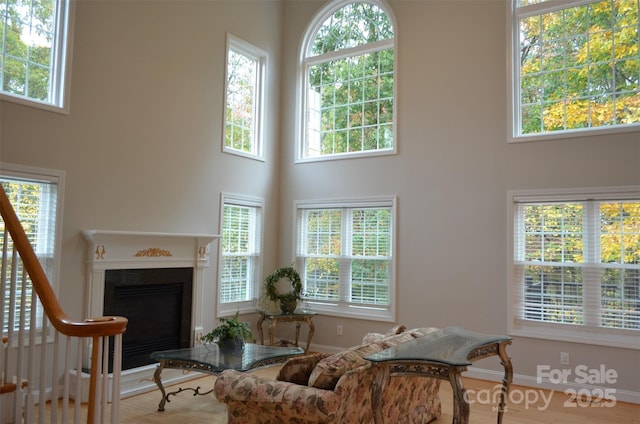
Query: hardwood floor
[[548, 408]]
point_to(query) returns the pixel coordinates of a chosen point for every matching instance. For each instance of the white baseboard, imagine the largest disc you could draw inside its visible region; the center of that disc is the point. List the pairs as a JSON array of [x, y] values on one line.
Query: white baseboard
[[532, 382]]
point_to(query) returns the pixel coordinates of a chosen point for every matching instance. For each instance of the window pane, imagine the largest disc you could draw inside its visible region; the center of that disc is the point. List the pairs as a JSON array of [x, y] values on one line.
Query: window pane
[[370, 282], [553, 294], [349, 100], [353, 25], [32, 49], [322, 279], [579, 66], [324, 232], [241, 99]]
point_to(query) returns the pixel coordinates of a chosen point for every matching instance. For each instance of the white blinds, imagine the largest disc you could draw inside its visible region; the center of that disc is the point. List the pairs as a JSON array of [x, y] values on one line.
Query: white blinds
[[240, 252], [345, 254], [578, 262], [35, 203]]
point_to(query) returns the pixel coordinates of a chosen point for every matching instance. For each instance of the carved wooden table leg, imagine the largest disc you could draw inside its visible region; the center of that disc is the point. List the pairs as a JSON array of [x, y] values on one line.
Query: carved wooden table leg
[[312, 329], [298, 324], [272, 331], [158, 380], [381, 371], [460, 404], [506, 381], [260, 333]]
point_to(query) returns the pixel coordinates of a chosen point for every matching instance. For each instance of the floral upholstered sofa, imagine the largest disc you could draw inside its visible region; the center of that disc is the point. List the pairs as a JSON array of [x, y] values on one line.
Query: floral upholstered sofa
[[331, 388]]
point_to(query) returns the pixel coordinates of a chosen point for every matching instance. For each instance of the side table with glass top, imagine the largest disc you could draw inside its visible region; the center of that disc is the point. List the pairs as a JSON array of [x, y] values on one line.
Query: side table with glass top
[[299, 317], [443, 354], [210, 359]]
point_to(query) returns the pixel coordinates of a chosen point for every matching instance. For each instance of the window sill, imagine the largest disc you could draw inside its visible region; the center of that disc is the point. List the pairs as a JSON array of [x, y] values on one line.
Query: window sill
[[561, 135], [628, 339]]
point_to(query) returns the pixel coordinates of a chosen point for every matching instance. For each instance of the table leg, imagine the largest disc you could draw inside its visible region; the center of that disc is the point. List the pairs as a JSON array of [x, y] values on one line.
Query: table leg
[[381, 372], [506, 381], [272, 331], [312, 329], [460, 404], [298, 323], [158, 380], [260, 333]]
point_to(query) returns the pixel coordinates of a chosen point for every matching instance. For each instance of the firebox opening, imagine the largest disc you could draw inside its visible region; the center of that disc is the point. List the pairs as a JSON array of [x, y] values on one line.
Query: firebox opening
[[157, 303]]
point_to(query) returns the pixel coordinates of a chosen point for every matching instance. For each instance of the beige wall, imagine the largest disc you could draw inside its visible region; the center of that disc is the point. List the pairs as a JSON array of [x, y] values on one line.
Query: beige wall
[[141, 151]]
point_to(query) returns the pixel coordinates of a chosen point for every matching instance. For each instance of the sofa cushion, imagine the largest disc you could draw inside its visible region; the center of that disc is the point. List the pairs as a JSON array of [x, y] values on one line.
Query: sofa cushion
[[328, 371], [376, 337]]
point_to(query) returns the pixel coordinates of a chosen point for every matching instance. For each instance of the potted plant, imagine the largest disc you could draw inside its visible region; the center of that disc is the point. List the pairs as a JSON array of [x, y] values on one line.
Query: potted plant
[[288, 301], [230, 334]]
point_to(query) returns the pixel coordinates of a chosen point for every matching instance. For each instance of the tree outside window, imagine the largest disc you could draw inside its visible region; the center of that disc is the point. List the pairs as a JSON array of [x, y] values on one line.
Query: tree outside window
[[577, 67]]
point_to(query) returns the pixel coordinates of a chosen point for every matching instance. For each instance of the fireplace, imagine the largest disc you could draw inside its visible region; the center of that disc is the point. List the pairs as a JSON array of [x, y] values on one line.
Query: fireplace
[[156, 281], [157, 302]]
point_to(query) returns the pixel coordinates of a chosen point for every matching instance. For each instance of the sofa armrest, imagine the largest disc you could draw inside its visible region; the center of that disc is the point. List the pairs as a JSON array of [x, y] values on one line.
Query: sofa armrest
[[298, 369]]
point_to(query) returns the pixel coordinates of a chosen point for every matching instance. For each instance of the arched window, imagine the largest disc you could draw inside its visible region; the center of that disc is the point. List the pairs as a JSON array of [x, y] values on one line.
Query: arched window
[[348, 80]]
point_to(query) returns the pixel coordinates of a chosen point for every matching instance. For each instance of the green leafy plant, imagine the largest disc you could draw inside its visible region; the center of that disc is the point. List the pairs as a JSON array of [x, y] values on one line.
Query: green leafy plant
[[230, 329]]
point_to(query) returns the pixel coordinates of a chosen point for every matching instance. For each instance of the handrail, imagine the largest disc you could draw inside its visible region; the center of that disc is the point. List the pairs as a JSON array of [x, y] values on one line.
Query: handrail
[[98, 329], [92, 327]]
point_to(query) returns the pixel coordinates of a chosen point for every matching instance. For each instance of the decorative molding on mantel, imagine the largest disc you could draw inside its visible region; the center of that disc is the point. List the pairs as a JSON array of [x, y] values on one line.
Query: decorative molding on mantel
[[114, 249]]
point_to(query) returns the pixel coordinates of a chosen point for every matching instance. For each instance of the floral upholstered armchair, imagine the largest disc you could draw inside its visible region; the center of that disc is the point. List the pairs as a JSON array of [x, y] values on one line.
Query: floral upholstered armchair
[[330, 388]]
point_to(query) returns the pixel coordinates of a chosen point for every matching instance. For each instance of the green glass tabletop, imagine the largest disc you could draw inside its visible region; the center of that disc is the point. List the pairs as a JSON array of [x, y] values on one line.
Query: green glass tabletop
[[449, 346], [210, 358]]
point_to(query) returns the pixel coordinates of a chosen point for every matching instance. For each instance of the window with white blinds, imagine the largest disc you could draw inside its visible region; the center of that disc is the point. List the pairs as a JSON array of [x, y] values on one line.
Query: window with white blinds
[[34, 197], [576, 265], [345, 254], [241, 229]]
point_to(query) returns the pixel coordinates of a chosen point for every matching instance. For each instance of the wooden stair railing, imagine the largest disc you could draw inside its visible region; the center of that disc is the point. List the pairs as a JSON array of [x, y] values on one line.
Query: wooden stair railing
[[36, 375]]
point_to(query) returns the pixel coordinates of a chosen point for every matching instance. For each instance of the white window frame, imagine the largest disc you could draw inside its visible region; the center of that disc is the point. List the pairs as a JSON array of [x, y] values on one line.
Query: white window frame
[[259, 57], [49, 256], [344, 308], [249, 305], [305, 62], [588, 333], [61, 48], [514, 13]]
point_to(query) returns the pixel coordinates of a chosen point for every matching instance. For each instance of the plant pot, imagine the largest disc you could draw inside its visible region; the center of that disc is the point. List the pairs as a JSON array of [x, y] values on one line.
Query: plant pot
[[230, 345], [288, 306]]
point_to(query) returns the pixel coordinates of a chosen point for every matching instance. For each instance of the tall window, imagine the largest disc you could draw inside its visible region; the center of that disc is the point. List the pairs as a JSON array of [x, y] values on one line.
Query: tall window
[[33, 50], [576, 67], [34, 195], [243, 98], [345, 252], [576, 265], [240, 253], [348, 77]]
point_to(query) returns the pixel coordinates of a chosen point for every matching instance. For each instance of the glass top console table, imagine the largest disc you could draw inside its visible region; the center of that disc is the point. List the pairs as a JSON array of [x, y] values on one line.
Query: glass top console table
[[209, 359], [443, 354]]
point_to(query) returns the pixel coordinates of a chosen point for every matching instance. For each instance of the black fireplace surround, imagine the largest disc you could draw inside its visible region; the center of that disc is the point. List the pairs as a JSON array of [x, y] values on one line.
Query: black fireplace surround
[[157, 303]]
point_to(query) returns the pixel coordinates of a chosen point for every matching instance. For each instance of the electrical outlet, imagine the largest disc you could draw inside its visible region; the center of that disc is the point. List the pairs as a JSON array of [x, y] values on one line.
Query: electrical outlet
[[564, 358], [339, 330]]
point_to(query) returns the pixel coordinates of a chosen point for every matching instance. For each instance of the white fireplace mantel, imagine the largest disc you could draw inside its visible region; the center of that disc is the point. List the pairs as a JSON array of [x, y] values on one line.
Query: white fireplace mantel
[[110, 250], [129, 250]]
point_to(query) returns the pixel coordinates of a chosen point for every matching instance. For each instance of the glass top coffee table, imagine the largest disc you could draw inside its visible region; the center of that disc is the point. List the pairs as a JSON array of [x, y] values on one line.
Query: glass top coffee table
[[209, 359], [442, 354]]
